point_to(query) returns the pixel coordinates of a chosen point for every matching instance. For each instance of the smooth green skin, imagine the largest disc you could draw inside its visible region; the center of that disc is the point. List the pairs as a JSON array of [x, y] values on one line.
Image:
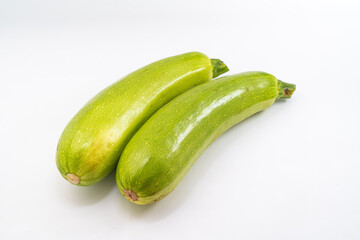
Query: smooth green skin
[[92, 142], [163, 150]]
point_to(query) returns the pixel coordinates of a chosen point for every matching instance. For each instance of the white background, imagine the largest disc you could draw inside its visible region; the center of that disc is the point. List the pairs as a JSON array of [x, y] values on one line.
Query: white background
[[290, 172]]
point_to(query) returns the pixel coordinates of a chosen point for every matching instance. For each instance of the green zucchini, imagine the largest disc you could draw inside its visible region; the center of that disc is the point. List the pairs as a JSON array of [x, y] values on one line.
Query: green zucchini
[[163, 150], [91, 144]]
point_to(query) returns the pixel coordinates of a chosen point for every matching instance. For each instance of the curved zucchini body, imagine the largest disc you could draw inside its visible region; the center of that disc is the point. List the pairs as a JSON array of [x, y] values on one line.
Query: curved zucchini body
[[163, 150], [91, 144]]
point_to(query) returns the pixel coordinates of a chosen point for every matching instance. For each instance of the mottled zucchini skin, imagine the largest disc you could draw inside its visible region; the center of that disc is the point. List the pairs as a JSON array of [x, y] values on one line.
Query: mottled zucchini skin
[[91, 144], [168, 144]]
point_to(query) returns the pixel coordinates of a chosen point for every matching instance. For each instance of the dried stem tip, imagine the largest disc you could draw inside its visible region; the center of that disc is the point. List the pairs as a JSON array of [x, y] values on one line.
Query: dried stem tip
[[131, 195], [73, 178], [285, 89]]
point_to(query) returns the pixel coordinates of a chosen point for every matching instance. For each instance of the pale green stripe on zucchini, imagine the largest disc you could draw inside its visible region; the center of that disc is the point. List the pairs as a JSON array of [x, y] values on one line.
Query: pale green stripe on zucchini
[[163, 150], [91, 144]]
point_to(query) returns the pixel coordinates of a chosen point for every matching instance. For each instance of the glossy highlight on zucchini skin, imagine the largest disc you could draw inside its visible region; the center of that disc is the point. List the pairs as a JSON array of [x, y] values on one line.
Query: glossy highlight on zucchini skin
[[91, 144], [163, 150]]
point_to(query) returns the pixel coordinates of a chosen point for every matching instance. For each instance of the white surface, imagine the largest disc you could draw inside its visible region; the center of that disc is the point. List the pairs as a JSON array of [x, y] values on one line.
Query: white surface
[[290, 172]]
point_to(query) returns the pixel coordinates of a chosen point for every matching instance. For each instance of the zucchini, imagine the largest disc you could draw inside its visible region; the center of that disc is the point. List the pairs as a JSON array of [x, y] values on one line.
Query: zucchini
[[91, 144], [163, 150]]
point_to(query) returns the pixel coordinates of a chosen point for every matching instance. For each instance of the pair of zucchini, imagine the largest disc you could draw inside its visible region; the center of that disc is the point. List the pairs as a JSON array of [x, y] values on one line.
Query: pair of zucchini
[[156, 138]]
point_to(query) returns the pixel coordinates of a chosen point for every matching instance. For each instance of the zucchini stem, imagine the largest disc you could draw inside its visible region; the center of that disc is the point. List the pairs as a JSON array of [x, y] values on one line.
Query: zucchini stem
[[285, 90], [219, 67]]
